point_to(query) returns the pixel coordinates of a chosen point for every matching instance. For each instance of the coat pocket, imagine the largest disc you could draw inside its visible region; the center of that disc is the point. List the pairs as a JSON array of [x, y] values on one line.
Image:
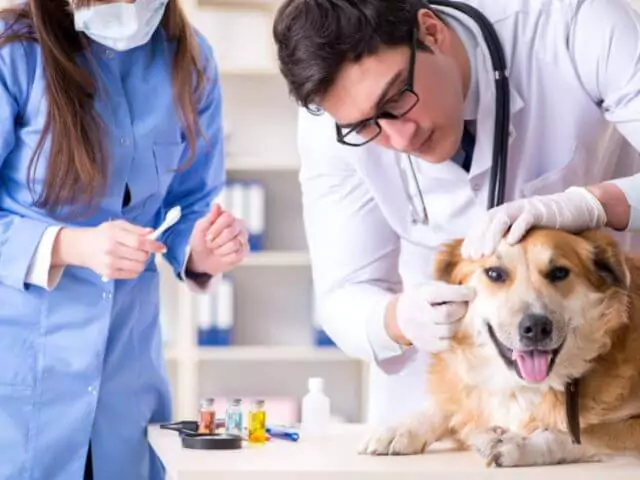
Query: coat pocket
[[167, 158], [16, 414], [574, 172], [20, 336]]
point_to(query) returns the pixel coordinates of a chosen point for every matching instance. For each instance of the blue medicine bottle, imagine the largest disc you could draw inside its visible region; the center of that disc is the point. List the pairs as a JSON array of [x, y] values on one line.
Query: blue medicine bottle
[[233, 418]]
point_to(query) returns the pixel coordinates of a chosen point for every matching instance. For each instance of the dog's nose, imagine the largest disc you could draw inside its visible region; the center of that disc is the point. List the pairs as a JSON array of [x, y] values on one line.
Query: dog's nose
[[535, 330]]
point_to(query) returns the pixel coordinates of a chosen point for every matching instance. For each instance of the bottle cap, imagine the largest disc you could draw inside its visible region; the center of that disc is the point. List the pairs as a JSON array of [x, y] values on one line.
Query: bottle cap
[[316, 384], [258, 403], [236, 402], [207, 403]]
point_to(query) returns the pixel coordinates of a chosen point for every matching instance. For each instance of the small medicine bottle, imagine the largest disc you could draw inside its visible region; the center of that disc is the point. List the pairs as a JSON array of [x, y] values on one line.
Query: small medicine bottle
[[257, 423], [207, 417], [316, 409], [233, 418]]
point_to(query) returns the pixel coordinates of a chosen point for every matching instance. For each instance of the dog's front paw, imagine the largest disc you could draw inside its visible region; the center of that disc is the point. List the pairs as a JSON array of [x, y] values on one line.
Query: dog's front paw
[[499, 446], [504, 448], [394, 440], [509, 450]]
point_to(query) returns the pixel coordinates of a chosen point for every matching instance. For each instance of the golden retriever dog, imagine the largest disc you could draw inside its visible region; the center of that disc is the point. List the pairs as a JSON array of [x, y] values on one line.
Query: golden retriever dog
[[553, 309]]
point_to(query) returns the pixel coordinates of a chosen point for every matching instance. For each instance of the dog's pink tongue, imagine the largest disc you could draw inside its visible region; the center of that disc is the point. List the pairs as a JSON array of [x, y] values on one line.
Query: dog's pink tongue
[[533, 365]]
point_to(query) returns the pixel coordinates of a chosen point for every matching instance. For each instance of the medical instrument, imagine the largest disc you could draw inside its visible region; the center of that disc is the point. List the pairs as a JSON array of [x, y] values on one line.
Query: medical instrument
[[415, 218], [191, 439], [188, 425], [497, 180], [233, 417], [214, 441], [170, 220], [283, 433], [207, 415], [257, 424]]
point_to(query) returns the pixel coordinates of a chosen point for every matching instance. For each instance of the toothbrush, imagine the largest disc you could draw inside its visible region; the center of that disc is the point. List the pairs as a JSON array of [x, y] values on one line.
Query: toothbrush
[[170, 220]]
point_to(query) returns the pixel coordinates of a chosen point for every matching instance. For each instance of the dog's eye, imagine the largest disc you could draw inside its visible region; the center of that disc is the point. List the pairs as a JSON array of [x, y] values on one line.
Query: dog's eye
[[496, 275], [557, 274]]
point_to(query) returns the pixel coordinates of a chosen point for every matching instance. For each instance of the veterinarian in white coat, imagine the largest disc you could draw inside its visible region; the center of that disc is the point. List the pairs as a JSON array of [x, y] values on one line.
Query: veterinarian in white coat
[[574, 72]]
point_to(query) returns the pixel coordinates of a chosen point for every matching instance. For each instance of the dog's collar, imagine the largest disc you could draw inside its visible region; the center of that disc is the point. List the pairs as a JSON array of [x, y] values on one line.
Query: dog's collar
[[572, 404]]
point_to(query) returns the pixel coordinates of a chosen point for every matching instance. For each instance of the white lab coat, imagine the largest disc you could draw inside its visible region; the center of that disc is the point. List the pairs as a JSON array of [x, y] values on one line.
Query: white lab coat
[[575, 119]]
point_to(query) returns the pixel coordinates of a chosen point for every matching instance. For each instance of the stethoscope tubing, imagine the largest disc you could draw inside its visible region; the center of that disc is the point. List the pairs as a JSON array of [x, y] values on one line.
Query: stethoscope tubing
[[498, 178]]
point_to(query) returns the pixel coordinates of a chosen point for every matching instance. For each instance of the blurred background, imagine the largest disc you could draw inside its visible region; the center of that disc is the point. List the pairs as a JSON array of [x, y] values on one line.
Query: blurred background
[[257, 336]]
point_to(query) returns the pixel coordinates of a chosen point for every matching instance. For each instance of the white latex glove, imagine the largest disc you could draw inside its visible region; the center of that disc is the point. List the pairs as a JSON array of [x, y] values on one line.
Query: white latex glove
[[430, 315], [573, 210]]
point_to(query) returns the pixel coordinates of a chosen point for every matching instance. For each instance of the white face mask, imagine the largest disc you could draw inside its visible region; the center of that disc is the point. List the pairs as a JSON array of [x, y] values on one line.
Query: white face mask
[[121, 26]]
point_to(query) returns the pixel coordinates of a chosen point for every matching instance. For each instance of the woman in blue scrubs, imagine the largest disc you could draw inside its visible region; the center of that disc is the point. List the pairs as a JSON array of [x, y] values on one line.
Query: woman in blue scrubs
[[110, 115]]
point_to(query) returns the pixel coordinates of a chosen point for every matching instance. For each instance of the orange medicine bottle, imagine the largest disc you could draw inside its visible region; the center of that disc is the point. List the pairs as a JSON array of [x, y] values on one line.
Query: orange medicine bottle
[[207, 417]]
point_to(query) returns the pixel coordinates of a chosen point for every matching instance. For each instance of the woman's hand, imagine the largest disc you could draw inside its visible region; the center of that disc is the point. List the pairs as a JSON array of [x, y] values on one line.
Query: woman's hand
[[219, 242], [115, 250]]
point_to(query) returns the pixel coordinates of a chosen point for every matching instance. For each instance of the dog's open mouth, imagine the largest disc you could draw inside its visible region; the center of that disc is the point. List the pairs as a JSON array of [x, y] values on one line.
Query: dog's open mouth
[[533, 366]]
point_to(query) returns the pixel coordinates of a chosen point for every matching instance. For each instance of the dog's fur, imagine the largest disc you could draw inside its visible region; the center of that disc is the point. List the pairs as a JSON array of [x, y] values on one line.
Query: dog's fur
[[477, 398]]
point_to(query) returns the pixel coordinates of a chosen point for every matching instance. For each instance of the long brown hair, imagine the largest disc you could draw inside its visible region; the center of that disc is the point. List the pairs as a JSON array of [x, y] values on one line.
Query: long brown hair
[[77, 169]]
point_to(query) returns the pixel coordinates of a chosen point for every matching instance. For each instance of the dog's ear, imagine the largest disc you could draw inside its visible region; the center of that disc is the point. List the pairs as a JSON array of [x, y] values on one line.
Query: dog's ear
[[446, 261], [607, 259]]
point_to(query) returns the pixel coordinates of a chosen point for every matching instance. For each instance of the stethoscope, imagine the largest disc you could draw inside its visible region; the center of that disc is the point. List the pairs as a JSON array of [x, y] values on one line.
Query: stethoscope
[[501, 131]]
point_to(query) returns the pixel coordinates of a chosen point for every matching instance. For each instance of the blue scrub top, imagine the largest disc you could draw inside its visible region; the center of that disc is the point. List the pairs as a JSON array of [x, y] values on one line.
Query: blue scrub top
[[84, 362]]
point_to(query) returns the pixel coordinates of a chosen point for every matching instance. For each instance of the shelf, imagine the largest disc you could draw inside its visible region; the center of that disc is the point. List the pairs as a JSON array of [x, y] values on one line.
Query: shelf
[[273, 288], [259, 165], [263, 353], [273, 353], [276, 259]]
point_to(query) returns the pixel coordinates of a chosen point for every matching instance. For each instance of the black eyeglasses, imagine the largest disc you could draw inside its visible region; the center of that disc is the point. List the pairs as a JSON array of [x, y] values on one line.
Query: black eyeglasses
[[396, 107]]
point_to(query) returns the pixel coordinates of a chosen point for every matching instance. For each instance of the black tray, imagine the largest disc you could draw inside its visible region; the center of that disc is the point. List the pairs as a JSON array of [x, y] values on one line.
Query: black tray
[[191, 439]]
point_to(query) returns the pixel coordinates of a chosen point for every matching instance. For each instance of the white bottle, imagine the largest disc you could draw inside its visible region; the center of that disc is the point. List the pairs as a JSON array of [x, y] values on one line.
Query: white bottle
[[316, 409]]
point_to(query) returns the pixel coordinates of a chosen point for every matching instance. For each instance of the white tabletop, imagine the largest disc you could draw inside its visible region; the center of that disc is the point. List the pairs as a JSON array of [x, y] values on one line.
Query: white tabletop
[[335, 457]]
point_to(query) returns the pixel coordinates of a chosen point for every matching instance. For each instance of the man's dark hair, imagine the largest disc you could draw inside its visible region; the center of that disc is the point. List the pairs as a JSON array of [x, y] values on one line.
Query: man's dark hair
[[315, 38]]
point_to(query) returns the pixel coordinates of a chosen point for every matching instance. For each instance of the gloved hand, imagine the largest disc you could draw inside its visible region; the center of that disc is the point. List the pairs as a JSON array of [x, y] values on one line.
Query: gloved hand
[[573, 210], [430, 315]]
